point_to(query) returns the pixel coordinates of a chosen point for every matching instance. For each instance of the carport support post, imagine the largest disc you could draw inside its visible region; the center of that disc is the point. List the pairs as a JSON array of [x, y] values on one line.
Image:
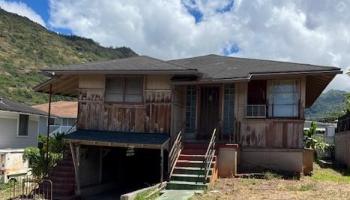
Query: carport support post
[[161, 164], [100, 166], [75, 156]]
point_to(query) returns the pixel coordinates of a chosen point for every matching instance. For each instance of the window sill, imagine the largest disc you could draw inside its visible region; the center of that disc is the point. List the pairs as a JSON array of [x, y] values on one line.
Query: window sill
[[274, 118], [255, 117]]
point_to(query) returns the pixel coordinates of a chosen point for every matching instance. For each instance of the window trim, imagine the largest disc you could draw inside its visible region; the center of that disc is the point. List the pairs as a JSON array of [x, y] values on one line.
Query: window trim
[[124, 90], [256, 104], [269, 93], [18, 122]]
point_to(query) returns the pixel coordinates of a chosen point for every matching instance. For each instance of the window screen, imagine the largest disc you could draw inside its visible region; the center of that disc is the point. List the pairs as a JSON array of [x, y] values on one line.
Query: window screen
[[191, 98], [23, 125], [284, 99], [114, 89], [229, 101], [122, 89], [133, 89]]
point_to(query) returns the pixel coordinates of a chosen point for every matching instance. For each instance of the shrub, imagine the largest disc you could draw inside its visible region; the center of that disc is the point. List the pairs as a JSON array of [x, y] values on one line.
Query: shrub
[[36, 156]]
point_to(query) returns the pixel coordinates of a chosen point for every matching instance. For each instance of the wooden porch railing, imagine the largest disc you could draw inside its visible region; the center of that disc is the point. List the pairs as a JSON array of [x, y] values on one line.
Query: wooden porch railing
[[209, 155], [175, 153]]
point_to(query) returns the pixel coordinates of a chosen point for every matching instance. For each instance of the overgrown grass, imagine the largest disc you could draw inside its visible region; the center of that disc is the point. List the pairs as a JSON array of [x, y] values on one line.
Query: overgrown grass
[[329, 174], [6, 189], [148, 195]]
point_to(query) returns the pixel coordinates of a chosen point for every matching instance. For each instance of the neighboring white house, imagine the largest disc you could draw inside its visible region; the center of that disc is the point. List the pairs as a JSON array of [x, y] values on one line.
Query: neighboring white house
[[19, 127], [63, 117]]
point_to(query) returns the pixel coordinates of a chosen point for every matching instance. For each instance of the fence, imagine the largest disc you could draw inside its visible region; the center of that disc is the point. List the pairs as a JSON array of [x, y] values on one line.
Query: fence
[[343, 123], [27, 187]]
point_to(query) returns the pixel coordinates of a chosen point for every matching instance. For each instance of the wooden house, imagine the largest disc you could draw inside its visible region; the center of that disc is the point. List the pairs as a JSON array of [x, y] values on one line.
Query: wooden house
[[141, 103]]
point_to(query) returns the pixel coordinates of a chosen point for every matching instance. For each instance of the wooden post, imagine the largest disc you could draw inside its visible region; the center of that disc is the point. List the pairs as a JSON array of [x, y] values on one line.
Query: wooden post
[[100, 166], [75, 157], [161, 164], [48, 131]]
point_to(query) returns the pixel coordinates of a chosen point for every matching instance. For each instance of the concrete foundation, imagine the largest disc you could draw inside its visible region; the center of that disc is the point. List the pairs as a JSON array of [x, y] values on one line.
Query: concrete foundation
[[289, 160]]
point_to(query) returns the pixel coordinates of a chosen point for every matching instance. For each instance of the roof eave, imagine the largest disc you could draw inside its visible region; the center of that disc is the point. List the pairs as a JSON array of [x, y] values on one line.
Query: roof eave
[[313, 72], [132, 72]]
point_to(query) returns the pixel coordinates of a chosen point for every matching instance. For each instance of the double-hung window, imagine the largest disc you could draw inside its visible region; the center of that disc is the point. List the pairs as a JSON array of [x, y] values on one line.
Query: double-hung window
[[256, 101], [124, 89], [284, 99], [23, 125]]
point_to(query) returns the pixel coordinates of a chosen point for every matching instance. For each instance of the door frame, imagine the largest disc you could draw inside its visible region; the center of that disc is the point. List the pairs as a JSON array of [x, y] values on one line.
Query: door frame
[[220, 88]]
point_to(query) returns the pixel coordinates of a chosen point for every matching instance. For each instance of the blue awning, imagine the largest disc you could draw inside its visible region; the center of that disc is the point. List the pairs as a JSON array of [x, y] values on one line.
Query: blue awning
[[119, 139]]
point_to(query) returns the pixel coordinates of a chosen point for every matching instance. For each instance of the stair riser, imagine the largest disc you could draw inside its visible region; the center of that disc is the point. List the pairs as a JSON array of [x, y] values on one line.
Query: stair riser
[[189, 164], [187, 171], [62, 179], [62, 173], [193, 158], [189, 179], [193, 151], [174, 186], [195, 146]]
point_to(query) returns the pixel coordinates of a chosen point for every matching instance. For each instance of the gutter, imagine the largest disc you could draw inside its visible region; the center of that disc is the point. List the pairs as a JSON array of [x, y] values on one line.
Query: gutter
[[337, 71]]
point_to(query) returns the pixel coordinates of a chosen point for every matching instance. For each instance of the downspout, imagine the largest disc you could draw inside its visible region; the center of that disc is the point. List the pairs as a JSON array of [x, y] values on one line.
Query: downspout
[[48, 131]]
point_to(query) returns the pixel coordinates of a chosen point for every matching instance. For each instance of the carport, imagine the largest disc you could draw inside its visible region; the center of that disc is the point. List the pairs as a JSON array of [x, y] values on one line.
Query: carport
[[99, 147]]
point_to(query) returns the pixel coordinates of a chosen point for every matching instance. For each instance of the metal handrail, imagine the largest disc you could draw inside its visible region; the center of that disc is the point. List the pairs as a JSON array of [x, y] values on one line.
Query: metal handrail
[[209, 155], [175, 153]]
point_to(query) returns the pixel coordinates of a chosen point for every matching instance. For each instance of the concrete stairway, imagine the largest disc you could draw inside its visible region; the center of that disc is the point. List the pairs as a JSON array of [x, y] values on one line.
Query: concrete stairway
[[63, 179], [189, 169]]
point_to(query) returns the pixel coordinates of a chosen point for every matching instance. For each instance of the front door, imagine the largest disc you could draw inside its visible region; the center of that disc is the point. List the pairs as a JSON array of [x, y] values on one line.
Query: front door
[[209, 112]]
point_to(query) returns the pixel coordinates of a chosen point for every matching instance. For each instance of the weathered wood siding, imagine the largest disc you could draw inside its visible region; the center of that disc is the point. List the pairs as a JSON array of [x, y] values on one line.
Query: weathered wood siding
[[271, 133], [267, 133], [153, 115]]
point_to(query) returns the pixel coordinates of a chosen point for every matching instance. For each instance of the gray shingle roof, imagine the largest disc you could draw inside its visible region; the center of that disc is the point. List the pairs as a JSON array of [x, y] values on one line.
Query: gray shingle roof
[[11, 106], [223, 67], [135, 64]]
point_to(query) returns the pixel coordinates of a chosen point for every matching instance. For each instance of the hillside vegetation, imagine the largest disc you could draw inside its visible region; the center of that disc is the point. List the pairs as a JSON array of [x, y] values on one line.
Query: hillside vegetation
[[26, 47], [328, 106]]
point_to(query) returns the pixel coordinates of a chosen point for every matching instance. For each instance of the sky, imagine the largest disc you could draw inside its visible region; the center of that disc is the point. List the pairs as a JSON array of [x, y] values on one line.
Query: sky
[[314, 32]]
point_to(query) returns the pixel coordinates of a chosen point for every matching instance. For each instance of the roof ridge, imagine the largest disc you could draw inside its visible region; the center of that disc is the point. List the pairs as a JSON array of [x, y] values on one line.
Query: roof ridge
[[254, 59]]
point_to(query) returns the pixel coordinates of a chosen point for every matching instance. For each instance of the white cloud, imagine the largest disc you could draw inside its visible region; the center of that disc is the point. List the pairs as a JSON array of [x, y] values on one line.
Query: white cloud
[[300, 31], [21, 9]]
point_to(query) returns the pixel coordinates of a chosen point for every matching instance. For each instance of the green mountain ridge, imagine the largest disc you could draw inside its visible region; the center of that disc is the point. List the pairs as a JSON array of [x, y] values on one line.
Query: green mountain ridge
[[328, 107], [26, 47]]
